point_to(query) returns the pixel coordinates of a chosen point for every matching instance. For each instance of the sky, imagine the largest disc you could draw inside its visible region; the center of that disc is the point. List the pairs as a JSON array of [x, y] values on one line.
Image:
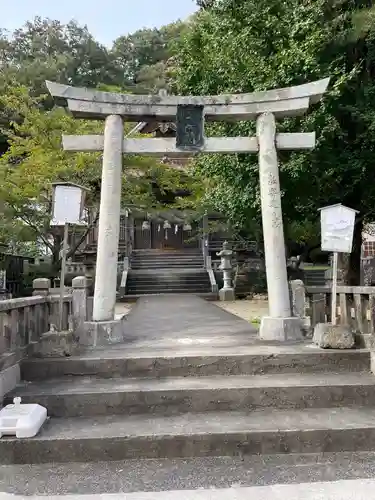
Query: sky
[[105, 19]]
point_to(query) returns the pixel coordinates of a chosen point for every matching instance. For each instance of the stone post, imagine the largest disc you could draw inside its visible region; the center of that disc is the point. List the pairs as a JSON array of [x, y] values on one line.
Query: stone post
[[109, 221], [41, 286], [298, 299], [227, 292], [205, 239], [280, 325], [79, 303], [4, 295]]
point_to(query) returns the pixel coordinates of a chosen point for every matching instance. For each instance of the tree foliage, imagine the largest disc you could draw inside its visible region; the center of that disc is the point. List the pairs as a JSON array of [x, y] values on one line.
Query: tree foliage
[[35, 160], [31, 126], [257, 45]]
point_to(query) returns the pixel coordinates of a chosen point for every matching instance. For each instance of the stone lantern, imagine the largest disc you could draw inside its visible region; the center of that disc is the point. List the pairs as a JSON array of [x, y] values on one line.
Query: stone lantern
[[227, 292]]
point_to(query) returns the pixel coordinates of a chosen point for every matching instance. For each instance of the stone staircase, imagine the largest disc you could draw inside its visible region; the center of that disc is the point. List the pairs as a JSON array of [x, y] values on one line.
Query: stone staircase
[[167, 259], [115, 404], [155, 272], [193, 381]]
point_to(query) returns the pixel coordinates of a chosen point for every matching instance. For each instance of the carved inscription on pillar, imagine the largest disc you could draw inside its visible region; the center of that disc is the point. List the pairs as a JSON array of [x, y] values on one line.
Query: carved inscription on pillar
[[190, 127], [273, 188]]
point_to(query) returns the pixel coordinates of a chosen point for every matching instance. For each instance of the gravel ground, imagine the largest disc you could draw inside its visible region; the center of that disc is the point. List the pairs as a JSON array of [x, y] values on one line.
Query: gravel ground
[[250, 309]]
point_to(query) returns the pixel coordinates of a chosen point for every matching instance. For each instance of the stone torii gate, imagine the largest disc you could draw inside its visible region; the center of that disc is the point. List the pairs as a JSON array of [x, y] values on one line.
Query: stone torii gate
[[191, 112]]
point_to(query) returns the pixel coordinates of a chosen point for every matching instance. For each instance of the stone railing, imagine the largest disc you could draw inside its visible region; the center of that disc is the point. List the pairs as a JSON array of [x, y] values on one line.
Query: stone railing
[[23, 321], [123, 270], [78, 268], [355, 305], [211, 274]]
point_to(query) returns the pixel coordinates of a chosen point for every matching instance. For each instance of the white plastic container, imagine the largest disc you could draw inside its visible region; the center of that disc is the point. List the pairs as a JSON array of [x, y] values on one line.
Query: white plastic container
[[22, 421]]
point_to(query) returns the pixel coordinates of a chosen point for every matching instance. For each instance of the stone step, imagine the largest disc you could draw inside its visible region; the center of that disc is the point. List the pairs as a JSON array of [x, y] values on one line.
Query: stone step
[[157, 278], [269, 431], [163, 265], [201, 361], [162, 290], [171, 258], [167, 265], [134, 297], [162, 256], [197, 477], [169, 276], [81, 396], [168, 273], [170, 291], [167, 259], [168, 285], [153, 251]]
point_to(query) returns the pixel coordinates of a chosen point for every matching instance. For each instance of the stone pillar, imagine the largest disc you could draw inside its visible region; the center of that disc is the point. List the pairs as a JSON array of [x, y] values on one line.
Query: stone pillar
[[280, 325], [41, 286], [79, 303], [298, 299], [109, 221]]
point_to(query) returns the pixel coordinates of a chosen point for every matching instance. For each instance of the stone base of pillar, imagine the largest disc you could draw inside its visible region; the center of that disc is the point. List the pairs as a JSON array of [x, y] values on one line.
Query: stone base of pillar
[[56, 345], [9, 378], [280, 329], [227, 295], [101, 333]]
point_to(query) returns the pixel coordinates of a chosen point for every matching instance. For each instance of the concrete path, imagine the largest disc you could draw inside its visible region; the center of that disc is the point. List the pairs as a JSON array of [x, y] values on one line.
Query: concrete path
[[172, 321], [340, 490]]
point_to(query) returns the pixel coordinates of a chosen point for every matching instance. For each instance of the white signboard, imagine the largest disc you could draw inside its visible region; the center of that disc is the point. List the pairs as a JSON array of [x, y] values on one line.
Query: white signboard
[[337, 225], [67, 205]]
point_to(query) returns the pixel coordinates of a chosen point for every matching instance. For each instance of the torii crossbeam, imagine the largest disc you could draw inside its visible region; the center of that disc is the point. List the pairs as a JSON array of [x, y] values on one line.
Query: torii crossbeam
[[264, 107]]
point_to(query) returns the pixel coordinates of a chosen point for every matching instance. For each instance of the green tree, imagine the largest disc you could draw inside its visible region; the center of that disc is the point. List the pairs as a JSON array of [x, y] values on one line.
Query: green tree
[[205, 4], [142, 57], [47, 49], [35, 159], [257, 45]]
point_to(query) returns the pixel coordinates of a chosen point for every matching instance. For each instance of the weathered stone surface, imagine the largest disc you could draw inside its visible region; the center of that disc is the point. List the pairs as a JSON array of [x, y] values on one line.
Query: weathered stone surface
[[9, 378], [100, 333], [56, 345], [270, 431], [280, 329], [167, 146], [298, 303], [227, 295], [182, 335], [288, 101], [195, 474], [328, 336], [76, 397], [298, 297], [79, 304], [120, 363], [368, 271], [273, 232], [109, 221], [41, 286]]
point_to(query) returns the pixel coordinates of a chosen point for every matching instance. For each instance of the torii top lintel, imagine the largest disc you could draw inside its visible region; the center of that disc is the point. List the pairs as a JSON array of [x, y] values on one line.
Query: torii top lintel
[[95, 104]]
